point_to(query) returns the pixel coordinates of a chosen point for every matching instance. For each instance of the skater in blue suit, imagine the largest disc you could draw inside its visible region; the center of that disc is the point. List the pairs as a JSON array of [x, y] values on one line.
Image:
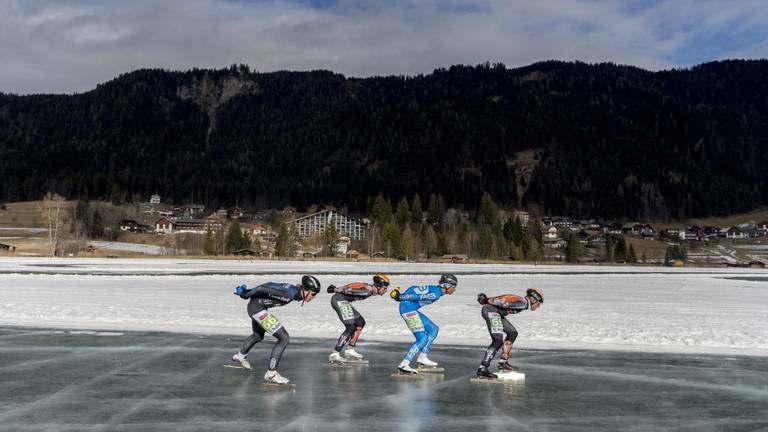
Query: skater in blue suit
[[425, 331]]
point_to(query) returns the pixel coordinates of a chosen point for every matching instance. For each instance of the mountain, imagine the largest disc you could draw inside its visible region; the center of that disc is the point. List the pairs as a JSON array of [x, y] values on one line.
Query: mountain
[[575, 139]]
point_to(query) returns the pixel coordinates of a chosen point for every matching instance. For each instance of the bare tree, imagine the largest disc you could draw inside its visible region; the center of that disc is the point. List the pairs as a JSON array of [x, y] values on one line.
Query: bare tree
[[52, 209]]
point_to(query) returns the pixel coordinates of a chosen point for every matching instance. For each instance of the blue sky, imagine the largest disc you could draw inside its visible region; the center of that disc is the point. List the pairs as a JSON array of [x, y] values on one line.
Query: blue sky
[[65, 46]]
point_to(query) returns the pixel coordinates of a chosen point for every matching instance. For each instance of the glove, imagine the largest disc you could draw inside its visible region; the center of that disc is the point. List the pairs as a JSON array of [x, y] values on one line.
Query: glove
[[395, 294], [331, 289], [482, 298], [241, 290]]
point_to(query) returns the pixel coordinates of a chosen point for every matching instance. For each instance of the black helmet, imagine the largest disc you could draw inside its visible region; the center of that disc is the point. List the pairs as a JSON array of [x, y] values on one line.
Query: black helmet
[[311, 284], [535, 294], [381, 280], [448, 281]]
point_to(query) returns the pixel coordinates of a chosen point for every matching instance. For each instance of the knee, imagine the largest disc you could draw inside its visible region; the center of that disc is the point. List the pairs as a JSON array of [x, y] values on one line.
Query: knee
[[512, 335], [421, 339], [283, 337], [349, 328], [496, 341], [360, 322]]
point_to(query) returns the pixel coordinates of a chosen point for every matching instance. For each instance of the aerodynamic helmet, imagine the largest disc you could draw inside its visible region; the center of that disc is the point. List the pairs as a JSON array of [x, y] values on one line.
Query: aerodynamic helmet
[[310, 283], [448, 281], [535, 294], [381, 280]]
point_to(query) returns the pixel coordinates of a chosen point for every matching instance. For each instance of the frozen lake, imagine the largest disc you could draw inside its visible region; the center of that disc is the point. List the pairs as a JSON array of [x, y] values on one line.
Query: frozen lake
[[61, 380], [646, 309]]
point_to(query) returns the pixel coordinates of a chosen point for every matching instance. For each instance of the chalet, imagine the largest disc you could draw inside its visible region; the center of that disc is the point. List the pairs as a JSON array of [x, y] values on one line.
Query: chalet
[[192, 211], [259, 230], [735, 232], [550, 233], [237, 213], [762, 228], [164, 226], [154, 199], [692, 233], [670, 233], [316, 223], [213, 223], [378, 254], [193, 226], [131, 225], [222, 213], [90, 249], [709, 232], [556, 243], [589, 224], [352, 254], [7, 248], [597, 240], [647, 234], [613, 228], [246, 252], [583, 237]]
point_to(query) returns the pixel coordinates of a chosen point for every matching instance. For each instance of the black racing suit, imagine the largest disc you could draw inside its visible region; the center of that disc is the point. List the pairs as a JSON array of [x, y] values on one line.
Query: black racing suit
[[263, 297], [353, 322], [494, 314]]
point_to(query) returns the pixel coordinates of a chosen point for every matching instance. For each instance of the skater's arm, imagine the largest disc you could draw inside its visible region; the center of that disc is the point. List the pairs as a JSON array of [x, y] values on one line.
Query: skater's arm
[[356, 290], [511, 303]]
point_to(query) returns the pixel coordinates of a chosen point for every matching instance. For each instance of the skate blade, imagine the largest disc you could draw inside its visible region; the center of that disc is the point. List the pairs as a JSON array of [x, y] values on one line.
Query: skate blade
[[356, 362], [276, 386], [401, 375], [510, 376], [427, 369], [507, 378], [231, 366], [337, 364]]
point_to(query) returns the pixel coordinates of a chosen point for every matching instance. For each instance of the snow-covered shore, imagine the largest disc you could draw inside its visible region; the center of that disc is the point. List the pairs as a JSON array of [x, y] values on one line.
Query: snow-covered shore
[[605, 307]]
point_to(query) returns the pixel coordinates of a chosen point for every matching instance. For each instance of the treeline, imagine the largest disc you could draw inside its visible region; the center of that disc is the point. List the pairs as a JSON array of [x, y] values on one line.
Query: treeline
[[610, 141]]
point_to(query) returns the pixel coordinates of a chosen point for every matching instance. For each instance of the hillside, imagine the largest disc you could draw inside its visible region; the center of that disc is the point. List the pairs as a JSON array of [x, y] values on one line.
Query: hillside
[[560, 138]]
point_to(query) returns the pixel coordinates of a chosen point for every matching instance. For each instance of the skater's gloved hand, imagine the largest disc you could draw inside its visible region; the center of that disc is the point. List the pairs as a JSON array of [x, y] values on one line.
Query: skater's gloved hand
[[482, 298], [241, 290], [331, 289], [395, 294]]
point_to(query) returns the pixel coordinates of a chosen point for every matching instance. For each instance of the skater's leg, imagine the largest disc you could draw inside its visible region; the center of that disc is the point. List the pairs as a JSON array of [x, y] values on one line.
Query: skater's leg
[[511, 333], [492, 320], [416, 326], [277, 350], [346, 335], [346, 314], [431, 329], [258, 331], [418, 346], [359, 324]]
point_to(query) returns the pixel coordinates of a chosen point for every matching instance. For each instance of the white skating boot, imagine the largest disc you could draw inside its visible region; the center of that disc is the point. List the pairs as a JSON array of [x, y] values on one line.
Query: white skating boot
[[405, 368], [351, 353], [335, 358], [274, 377], [423, 360], [240, 358]]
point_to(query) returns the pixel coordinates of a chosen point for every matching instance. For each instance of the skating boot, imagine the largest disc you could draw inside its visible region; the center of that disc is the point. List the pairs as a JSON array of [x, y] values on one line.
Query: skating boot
[[335, 358], [483, 372], [405, 368], [240, 358], [504, 366], [351, 353], [425, 362], [274, 377]]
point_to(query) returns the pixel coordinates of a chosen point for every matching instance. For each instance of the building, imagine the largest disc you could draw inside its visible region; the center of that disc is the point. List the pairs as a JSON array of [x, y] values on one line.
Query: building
[[131, 225], [522, 215], [193, 226], [154, 199], [316, 223], [237, 213], [213, 223], [735, 233], [342, 245], [7, 248], [193, 211], [164, 226], [222, 213], [762, 228]]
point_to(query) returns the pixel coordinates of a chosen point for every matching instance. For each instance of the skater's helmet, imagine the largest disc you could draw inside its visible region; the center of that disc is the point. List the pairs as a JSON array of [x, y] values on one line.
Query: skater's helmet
[[535, 294], [381, 280], [448, 281], [310, 283]]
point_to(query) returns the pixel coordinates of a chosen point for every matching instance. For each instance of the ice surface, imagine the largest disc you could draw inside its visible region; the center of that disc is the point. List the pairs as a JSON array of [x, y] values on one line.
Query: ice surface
[[603, 307], [63, 381]]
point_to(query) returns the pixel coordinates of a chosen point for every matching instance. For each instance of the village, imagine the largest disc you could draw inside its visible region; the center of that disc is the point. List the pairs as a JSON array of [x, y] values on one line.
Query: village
[[157, 228]]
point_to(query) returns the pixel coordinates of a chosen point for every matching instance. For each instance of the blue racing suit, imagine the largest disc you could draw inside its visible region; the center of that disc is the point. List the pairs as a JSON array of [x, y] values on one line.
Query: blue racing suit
[[425, 331]]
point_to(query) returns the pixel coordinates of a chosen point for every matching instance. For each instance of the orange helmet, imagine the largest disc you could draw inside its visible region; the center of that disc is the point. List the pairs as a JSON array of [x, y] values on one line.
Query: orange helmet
[[381, 280], [535, 294]]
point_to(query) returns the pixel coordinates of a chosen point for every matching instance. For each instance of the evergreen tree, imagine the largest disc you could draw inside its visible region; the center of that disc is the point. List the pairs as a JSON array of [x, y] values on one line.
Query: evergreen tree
[[430, 241], [573, 248], [283, 245], [97, 226], [235, 239], [620, 251], [485, 242], [381, 211], [116, 195], [535, 230], [435, 210], [416, 211], [330, 239], [403, 213], [209, 243], [488, 212], [407, 243], [631, 256], [517, 231], [390, 237], [220, 242]]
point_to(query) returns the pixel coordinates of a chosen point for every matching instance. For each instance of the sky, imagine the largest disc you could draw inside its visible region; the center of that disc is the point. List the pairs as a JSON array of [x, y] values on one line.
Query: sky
[[62, 46]]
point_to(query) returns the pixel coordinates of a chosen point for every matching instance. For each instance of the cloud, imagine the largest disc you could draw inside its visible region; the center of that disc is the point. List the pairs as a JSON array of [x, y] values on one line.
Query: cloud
[[69, 46]]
